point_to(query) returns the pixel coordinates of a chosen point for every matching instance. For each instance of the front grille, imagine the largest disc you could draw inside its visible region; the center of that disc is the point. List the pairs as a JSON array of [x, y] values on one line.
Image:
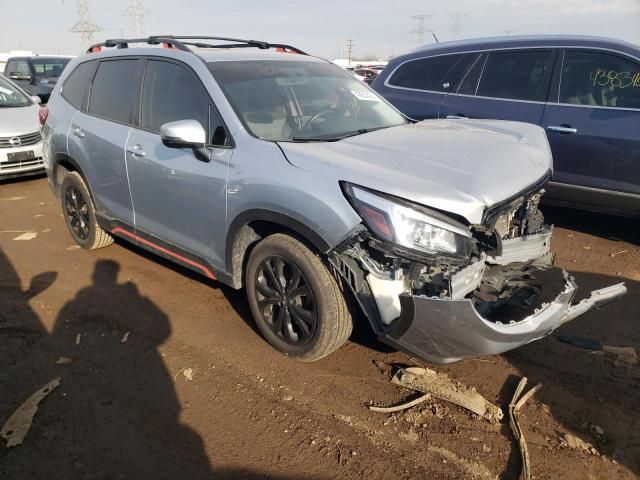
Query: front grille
[[20, 164], [28, 139]]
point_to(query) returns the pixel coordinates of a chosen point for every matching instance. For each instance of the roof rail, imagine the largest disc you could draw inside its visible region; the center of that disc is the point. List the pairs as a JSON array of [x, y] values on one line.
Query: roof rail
[[184, 41]]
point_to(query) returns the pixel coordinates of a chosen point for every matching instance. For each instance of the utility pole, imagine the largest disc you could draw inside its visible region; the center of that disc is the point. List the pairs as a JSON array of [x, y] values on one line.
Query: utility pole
[[420, 28], [456, 28], [137, 12], [83, 26], [349, 48]]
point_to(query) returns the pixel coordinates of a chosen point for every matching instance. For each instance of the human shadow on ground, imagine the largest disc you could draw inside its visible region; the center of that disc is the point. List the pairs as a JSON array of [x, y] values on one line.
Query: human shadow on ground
[[116, 413]]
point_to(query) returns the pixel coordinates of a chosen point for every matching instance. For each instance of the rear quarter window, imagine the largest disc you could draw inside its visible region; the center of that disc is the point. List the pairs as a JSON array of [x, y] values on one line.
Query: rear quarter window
[[76, 87], [424, 73]]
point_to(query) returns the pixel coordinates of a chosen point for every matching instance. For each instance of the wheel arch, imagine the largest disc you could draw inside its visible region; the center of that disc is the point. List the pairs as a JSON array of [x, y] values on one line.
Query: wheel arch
[[63, 163], [251, 226]]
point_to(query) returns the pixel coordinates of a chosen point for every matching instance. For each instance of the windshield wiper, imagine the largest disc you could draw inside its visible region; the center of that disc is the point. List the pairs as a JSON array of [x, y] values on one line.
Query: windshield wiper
[[339, 137], [316, 139]]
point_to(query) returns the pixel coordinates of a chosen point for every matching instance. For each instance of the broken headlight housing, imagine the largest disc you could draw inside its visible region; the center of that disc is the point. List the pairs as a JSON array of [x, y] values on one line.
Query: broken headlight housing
[[409, 225]]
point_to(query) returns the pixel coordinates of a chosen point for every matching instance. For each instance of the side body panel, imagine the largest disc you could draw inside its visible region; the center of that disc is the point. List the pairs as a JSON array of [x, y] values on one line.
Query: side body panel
[[97, 145], [177, 197], [604, 151], [262, 180]]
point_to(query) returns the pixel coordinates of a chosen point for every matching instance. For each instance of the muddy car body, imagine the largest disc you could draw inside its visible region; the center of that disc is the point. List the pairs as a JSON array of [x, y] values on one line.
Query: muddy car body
[[307, 188]]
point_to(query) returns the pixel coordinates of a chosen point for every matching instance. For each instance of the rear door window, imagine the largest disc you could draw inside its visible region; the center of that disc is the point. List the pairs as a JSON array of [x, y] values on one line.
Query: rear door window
[[172, 93], [19, 67], [425, 73], [49, 67], [76, 86], [516, 75], [599, 79], [115, 90], [10, 67]]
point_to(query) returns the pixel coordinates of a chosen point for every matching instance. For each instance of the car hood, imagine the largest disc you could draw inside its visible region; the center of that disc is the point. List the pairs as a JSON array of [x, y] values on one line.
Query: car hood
[[18, 120], [459, 166]]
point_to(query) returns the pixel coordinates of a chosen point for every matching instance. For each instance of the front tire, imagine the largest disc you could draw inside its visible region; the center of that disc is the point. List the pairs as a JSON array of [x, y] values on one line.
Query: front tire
[[295, 300], [80, 213]]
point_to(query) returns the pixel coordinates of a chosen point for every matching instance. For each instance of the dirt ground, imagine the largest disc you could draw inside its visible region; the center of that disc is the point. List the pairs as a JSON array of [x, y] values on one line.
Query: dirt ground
[[195, 392]]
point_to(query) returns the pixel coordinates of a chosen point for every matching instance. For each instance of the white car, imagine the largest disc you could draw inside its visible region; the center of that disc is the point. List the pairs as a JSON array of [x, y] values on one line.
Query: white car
[[20, 140]]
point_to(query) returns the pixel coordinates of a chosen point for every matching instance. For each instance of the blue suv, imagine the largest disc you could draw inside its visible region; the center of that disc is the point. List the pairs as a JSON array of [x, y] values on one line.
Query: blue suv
[[584, 91]]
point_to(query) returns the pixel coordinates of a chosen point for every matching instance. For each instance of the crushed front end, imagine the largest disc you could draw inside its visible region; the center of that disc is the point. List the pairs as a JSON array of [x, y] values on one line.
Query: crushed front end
[[443, 289]]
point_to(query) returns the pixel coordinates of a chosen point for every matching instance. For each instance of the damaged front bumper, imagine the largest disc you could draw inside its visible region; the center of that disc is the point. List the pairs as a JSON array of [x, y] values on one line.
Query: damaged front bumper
[[445, 331]]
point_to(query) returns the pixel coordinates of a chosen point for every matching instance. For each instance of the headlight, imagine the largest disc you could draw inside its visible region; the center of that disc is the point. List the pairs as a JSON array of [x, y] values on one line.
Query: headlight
[[407, 225]]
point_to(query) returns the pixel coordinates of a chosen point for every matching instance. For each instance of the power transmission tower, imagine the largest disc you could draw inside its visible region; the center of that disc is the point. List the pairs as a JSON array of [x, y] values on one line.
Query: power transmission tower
[[349, 48], [137, 12], [83, 26], [420, 29], [456, 28]]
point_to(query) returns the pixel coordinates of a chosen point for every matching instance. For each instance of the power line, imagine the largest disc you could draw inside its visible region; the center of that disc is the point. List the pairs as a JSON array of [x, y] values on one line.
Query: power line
[[137, 12], [456, 28], [420, 28], [84, 26], [349, 48]]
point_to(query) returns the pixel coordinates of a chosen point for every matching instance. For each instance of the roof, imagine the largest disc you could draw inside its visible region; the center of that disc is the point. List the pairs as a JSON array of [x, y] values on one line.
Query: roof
[[204, 48], [244, 54], [206, 54], [29, 57], [530, 41]]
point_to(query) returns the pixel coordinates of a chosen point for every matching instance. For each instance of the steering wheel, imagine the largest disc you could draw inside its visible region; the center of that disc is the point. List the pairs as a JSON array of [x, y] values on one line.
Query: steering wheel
[[316, 117]]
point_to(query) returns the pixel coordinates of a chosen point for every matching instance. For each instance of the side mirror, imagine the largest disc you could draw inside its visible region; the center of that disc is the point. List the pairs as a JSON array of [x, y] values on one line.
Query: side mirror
[[183, 134], [36, 99], [19, 76]]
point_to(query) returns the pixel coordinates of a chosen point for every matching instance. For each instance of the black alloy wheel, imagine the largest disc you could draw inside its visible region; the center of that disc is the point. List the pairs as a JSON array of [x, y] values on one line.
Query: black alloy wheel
[[285, 300], [77, 212]]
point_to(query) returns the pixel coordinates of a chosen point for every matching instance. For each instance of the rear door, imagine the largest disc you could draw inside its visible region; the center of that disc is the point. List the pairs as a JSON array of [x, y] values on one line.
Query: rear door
[[593, 122], [179, 195], [505, 85], [418, 86], [97, 137]]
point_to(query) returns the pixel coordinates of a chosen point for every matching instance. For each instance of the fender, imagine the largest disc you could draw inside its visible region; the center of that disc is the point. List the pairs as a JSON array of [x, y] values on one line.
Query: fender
[[248, 216]]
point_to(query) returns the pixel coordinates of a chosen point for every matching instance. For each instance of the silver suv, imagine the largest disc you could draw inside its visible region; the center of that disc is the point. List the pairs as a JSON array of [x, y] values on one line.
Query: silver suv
[[269, 169]]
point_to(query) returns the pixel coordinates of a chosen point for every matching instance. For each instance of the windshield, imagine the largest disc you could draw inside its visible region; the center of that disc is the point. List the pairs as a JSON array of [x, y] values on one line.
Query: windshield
[[10, 96], [282, 100], [49, 67]]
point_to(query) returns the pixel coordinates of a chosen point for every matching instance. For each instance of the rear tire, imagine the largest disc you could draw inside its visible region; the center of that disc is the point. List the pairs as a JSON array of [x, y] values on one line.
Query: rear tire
[[80, 213], [295, 300]]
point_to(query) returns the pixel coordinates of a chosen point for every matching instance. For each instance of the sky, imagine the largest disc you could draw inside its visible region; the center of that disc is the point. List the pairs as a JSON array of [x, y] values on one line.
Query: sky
[[378, 28]]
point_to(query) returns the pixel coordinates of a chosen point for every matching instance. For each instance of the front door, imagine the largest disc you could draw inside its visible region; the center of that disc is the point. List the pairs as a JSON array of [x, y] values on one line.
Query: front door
[[179, 196], [593, 125]]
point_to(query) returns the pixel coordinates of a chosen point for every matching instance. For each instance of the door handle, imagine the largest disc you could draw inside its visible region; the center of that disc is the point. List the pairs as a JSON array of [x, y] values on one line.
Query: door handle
[[456, 116], [136, 150], [77, 131], [562, 129]]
